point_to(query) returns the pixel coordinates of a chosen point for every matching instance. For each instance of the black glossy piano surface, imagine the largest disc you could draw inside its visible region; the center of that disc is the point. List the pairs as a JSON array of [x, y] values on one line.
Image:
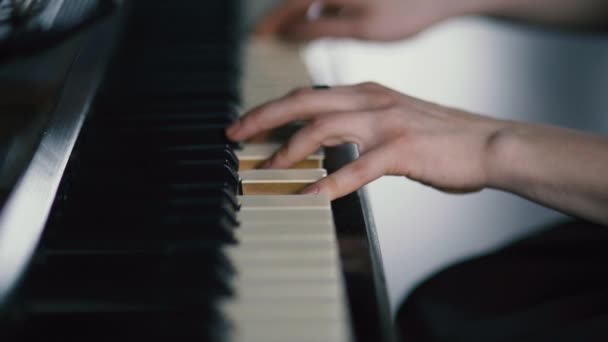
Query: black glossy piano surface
[[139, 186]]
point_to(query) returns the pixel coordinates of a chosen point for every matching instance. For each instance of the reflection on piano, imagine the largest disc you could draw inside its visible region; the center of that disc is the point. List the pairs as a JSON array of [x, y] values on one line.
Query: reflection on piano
[[146, 237]]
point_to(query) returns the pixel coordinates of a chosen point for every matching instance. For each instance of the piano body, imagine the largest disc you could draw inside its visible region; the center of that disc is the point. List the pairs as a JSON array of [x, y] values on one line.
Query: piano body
[[125, 222]]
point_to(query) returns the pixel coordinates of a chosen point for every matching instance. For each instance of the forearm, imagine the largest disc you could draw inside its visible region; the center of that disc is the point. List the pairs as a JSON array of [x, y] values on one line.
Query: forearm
[[560, 168], [582, 14]]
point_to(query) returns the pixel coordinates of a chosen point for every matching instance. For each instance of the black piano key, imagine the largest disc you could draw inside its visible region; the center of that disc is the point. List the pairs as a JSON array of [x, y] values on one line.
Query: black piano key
[[133, 249], [204, 192], [177, 135], [130, 278], [97, 241], [197, 57], [190, 57], [193, 152], [172, 119], [196, 324], [106, 105], [137, 155], [148, 222], [175, 81], [181, 172], [148, 100], [180, 90], [109, 106], [151, 33]]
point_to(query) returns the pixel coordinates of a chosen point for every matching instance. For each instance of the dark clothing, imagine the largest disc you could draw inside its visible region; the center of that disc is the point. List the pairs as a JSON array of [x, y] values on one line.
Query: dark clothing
[[552, 286]]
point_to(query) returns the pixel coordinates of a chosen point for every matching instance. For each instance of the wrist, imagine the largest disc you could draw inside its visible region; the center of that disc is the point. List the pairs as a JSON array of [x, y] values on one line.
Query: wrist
[[483, 7], [502, 155]]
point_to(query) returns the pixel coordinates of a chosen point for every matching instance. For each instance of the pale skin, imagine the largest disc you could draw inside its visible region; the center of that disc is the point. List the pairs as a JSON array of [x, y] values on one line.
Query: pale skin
[[445, 148], [387, 20]]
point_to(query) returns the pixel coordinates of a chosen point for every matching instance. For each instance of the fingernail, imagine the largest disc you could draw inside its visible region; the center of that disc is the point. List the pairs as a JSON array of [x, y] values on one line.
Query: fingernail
[[234, 128], [311, 190], [314, 11]]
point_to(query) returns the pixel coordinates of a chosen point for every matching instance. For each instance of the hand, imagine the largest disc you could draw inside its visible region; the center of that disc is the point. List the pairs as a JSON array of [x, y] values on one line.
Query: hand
[[364, 19], [396, 135]]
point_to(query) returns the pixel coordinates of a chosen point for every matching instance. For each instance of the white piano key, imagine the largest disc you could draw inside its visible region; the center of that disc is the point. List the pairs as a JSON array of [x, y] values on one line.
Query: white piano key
[[284, 202], [321, 233], [273, 309], [244, 250], [266, 150], [288, 273], [286, 309], [313, 216], [281, 291], [291, 257], [282, 176], [279, 237], [290, 244], [286, 228], [271, 67], [281, 254], [269, 263], [275, 182], [292, 330], [253, 154]]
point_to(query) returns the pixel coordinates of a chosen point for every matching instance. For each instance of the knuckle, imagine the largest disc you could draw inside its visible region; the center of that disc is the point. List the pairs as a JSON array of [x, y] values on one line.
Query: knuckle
[[369, 86], [298, 93], [318, 127], [385, 99], [378, 95]]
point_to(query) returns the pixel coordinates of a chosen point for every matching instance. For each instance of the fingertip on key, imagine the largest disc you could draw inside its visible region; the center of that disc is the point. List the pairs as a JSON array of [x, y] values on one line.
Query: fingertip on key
[[233, 130], [311, 190], [267, 164]]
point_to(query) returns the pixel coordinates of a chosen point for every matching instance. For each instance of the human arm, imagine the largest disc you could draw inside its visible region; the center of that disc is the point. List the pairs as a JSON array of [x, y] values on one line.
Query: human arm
[[383, 20], [571, 14], [561, 168], [442, 147], [388, 20]]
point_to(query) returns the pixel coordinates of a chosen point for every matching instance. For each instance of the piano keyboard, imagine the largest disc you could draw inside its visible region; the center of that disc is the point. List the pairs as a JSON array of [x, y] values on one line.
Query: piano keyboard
[[156, 234], [290, 287], [252, 155]]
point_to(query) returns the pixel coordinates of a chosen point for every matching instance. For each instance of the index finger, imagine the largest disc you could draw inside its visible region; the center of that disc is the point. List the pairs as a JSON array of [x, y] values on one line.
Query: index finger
[[302, 104], [285, 13]]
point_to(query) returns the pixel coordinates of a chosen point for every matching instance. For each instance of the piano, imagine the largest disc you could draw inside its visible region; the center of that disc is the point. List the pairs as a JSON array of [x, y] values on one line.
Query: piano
[[125, 220]]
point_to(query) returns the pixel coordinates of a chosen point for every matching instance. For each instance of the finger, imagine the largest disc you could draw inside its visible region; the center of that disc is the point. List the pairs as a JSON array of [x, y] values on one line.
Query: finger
[[330, 130], [369, 167], [337, 27], [285, 13], [302, 104], [260, 138]]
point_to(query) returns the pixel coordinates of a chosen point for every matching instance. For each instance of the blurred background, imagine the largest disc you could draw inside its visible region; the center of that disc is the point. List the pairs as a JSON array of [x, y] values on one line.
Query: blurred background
[[481, 65]]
